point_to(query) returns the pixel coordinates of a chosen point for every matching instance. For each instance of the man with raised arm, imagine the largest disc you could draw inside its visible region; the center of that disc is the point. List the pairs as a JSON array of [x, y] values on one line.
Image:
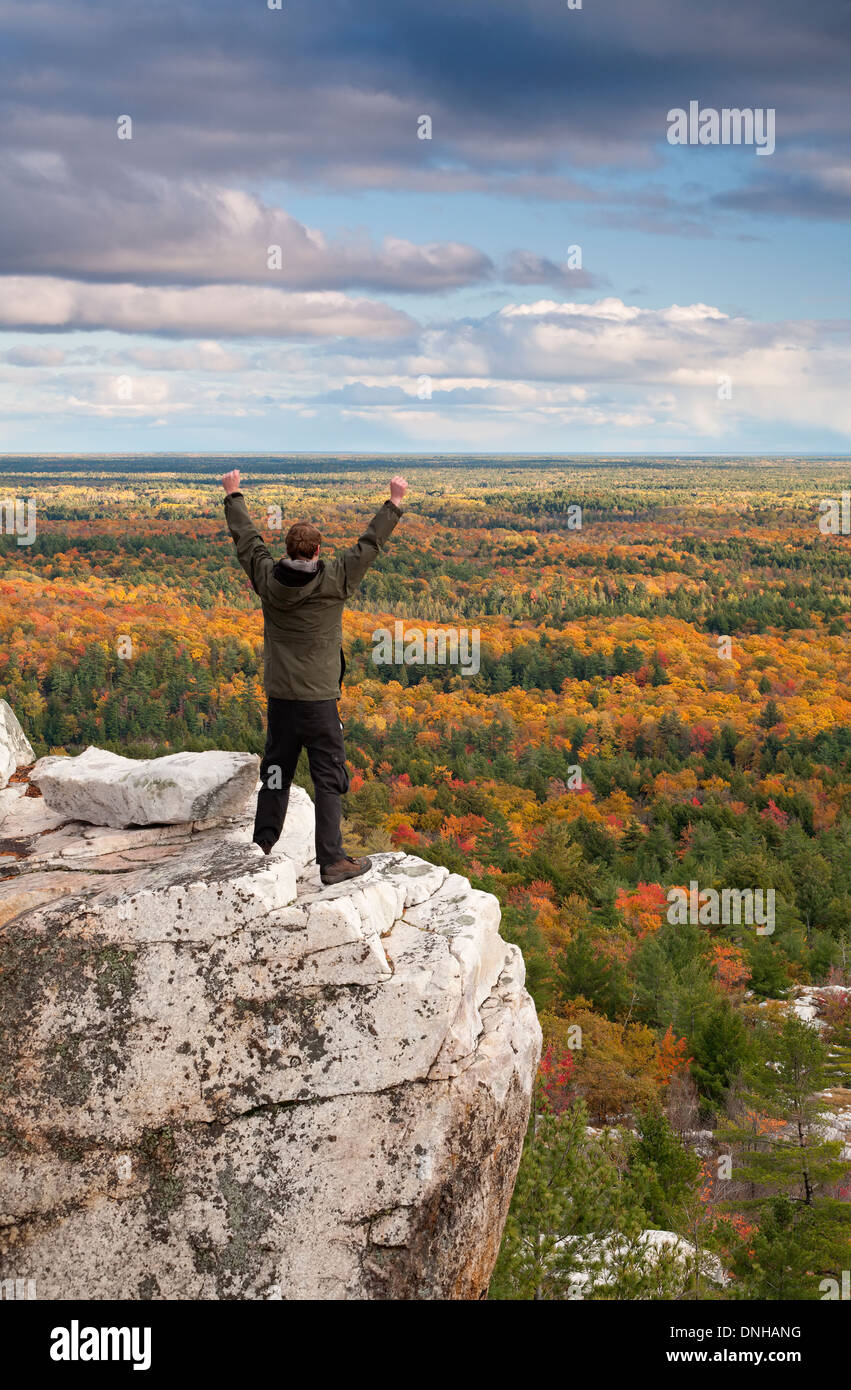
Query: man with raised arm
[[303, 666]]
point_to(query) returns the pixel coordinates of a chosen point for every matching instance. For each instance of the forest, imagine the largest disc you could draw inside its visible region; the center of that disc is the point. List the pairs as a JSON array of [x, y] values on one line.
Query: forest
[[663, 698]]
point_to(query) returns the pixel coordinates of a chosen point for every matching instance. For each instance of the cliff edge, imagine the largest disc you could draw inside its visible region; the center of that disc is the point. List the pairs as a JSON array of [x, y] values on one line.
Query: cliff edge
[[219, 1080]]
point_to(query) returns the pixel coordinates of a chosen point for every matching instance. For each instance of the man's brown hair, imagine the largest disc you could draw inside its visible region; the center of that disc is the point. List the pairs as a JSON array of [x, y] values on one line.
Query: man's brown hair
[[302, 541]]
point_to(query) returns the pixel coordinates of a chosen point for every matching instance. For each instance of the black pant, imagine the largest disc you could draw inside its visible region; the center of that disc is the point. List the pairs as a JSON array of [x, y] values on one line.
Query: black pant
[[293, 725]]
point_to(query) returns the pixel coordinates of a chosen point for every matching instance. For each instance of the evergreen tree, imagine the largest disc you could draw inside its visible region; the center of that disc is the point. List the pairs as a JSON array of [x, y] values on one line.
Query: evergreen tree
[[583, 971], [720, 1046], [779, 1149], [662, 1170], [569, 1197]]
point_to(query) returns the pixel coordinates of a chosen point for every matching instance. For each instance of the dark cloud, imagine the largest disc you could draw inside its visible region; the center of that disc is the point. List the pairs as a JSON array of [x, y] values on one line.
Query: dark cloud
[[825, 194], [529, 99], [161, 232], [528, 268]]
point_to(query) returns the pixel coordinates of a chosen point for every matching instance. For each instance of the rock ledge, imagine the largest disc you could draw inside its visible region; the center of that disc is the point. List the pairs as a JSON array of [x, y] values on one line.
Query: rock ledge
[[220, 1080], [106, 789]]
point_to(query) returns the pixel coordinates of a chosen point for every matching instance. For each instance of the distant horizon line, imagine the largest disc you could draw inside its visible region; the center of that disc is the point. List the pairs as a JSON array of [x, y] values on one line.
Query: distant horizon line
[[428, 454]]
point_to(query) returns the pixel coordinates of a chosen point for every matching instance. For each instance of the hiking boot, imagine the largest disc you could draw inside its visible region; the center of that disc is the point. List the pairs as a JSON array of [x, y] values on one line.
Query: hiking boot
[[343, 869], [265, 844]]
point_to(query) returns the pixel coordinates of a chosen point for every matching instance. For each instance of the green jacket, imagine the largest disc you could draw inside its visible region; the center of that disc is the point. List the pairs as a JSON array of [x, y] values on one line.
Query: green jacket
[[302, 613]]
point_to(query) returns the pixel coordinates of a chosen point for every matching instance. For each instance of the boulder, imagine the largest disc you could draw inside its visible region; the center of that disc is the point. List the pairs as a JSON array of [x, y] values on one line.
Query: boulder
[[105, 789], [222, 1080], [15, 750]]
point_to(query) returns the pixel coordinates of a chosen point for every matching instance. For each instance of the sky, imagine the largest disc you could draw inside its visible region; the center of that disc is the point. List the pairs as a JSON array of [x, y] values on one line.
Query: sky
[[422, 225]]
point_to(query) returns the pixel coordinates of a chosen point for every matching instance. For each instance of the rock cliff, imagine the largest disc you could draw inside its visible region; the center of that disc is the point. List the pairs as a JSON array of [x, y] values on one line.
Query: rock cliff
[[15, 750], [220, 1080]]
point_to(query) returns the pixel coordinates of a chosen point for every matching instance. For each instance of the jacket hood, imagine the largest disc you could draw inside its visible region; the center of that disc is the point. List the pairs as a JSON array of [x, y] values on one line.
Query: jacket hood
[[298, 584]]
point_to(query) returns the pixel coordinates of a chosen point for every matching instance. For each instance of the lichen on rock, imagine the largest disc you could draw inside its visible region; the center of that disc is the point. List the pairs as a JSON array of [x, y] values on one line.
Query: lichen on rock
[[222, 1080]]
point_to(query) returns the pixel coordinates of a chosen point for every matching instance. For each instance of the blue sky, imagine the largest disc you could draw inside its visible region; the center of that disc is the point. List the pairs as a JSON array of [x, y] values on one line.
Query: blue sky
[[424, 299]]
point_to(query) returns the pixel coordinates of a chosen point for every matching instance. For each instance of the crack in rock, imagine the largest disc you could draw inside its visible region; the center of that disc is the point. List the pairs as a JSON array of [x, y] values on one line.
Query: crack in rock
[[322, 1091]]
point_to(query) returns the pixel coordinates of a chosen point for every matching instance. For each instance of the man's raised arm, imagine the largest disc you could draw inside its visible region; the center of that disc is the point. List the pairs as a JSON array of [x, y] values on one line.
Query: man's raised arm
[[349, 568], [251, 549]]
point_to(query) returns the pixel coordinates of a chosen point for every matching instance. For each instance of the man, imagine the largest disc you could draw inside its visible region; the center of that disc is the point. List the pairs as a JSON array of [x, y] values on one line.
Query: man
[[303, 600]]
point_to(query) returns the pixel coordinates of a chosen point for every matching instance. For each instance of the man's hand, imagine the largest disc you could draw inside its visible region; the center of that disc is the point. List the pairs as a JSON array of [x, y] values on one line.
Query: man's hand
[[398, 488], [230, 482]]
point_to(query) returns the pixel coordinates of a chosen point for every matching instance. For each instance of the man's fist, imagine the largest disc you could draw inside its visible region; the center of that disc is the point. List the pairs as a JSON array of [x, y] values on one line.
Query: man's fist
[[398, 488], [230, 482]]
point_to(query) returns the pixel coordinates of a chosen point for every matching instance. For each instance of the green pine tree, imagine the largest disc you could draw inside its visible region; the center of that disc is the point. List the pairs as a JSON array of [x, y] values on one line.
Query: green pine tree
[[779, 1149]]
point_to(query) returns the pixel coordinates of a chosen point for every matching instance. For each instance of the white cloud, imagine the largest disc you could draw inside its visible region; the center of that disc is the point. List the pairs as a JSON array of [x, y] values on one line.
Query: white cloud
[[204, 356], [224, 310], [543, 371], [32, 355]]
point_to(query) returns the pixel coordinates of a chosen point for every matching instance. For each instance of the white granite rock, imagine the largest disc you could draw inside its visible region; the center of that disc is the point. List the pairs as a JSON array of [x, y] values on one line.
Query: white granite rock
[[807, 1002], [15, 750], [221, 1080], [105, 789], [27, 815], [650, 1252]]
